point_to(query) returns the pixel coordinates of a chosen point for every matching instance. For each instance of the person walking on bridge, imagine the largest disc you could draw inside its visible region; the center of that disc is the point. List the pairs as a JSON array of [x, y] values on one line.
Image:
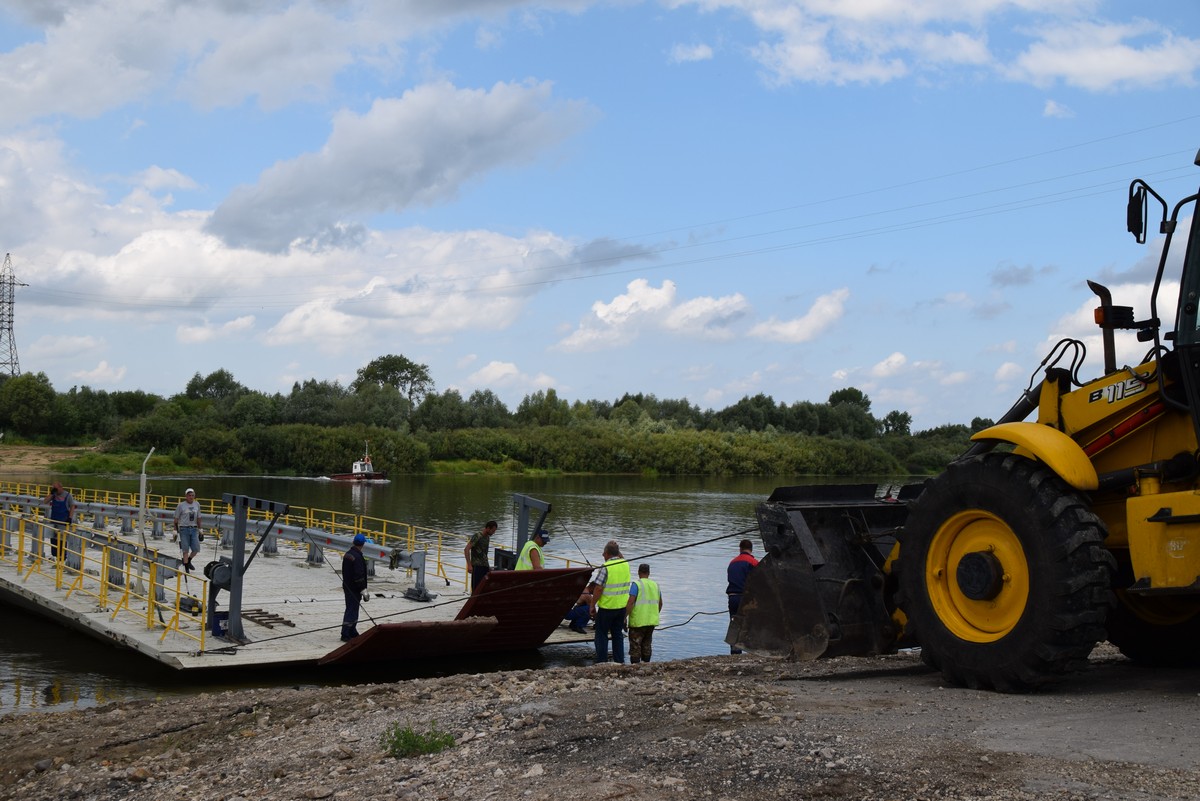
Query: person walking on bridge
[[62, 512], [645, 602], [187, 527]]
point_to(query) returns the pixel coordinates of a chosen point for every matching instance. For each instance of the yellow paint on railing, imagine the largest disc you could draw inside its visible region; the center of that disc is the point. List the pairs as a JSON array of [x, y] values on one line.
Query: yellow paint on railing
[[28, 556]]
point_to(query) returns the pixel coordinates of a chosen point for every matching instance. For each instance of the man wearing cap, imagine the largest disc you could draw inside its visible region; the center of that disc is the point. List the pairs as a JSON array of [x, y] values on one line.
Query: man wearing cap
[[354, 586], [610, 596], [531, 552], [187, 527], [645, 602]]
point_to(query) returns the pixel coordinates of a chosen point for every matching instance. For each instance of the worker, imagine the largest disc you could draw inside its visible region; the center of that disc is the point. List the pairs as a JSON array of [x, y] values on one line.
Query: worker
[[62, 513], [610, 596], [354, 586], [645, 603], [737, 573], [476, 554], [531, 552]]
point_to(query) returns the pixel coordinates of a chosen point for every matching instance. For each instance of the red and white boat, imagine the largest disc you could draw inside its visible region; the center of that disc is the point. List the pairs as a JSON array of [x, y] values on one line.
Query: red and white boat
[[362, 470]]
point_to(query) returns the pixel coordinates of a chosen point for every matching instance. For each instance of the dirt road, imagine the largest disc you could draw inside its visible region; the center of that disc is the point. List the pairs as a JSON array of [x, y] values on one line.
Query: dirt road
[[712, 728]]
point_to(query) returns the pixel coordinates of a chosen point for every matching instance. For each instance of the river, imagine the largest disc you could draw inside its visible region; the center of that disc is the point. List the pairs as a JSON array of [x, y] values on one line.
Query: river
[[685, 528]]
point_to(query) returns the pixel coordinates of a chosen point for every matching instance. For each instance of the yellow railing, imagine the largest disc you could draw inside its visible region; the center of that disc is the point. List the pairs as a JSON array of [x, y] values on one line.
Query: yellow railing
[[444, 548], [127, 591]]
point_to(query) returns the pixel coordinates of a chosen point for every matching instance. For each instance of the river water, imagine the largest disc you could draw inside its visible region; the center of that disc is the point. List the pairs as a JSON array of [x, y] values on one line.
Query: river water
[[687, 529]]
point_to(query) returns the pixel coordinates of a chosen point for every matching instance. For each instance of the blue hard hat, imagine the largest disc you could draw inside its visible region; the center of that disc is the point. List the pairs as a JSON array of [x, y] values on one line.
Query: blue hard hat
[[359, 539]]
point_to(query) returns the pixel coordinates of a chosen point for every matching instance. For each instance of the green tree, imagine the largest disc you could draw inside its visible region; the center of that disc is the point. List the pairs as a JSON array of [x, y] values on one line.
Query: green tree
[[485, 410], [412, 379], [217, 385], [314, 402], [543, 408], [850, 395], [27, 404], [443, 412], [254, 409], [897, 422]]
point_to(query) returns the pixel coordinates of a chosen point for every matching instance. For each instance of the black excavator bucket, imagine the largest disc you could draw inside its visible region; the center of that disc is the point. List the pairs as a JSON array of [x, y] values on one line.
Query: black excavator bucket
[[822, 588]]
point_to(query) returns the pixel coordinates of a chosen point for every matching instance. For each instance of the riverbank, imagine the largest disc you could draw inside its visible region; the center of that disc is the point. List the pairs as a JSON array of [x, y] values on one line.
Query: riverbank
[[29, 459], [712, 727]]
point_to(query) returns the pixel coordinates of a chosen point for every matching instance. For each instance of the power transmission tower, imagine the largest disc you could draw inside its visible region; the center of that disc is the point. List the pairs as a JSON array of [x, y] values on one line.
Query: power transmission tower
[[8, 345]]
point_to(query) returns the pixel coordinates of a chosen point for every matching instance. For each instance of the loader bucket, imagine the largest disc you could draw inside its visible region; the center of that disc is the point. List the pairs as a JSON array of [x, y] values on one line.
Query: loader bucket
[[780, 613], [823, 588]]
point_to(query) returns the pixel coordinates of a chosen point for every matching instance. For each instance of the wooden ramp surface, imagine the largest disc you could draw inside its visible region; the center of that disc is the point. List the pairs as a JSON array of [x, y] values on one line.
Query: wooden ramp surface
[[513, 610]]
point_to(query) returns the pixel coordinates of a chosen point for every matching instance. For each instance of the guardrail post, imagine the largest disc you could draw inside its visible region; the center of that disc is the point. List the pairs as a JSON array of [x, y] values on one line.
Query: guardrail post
[[72, 546], [11, 523], [98, 520], [316, 554], [157, 531], [41, 533], [116, 565], [126, 525]]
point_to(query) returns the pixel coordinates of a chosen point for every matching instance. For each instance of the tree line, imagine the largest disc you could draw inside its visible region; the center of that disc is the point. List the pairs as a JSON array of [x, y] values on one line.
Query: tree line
[[217, 424]]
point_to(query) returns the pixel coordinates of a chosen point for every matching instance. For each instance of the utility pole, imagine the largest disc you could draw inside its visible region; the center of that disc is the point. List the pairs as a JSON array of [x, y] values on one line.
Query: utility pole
[[8, 345]]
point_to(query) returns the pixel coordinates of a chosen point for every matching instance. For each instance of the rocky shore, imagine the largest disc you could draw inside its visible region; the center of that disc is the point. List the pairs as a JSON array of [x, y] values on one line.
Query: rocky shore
[[710, 728]]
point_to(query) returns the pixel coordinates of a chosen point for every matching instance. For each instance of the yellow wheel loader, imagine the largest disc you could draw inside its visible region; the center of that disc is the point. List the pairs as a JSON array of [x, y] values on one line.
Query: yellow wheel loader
[[1046, 537]]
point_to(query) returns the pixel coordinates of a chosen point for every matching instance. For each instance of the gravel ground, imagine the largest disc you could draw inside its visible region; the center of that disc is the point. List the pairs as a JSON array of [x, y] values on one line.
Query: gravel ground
[[726, 727]]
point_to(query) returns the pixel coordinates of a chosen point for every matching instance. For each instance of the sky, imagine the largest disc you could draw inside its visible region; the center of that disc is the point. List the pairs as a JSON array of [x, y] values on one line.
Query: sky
[[701, 199]]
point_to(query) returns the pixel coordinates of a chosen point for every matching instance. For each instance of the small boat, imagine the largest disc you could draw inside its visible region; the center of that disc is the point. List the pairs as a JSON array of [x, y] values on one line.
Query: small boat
[[362, 470]]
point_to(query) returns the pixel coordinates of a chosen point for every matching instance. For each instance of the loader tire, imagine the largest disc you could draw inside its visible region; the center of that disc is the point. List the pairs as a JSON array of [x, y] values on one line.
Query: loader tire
[[1158, 632], [1002, 574]]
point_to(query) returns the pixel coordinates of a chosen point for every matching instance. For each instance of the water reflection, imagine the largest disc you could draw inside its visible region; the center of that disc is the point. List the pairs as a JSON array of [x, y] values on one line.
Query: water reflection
[[686, 529]]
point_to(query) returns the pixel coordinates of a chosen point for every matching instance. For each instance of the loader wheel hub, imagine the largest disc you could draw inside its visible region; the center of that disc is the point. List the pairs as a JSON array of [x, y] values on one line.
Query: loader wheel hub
[[977, 576], [980, 576]]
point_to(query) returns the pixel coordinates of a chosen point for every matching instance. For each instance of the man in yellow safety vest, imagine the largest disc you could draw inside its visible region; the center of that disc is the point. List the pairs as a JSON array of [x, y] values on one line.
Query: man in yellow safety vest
[[531, 552], [645, 602], [610, 596]]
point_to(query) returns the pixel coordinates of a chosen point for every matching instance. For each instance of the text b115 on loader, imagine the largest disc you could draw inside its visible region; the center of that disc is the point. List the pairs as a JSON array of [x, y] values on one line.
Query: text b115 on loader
[[1043, 539]]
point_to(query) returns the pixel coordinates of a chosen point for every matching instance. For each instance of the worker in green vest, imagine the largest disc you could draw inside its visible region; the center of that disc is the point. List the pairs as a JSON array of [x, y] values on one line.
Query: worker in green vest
[[610, 596], [531, 552], [645, 602]]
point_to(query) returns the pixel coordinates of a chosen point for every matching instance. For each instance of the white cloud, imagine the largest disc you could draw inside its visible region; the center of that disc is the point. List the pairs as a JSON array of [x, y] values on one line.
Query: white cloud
[[707, 318], [815, 41], [643, 307], [101, 374], [155, 178], [506, 375], [890, 366], [957, 377], [1099, 56], [1009, 371], [825, 311], [195, 334], [681, 54], [416, 150], [47, 348], [1057, 110]]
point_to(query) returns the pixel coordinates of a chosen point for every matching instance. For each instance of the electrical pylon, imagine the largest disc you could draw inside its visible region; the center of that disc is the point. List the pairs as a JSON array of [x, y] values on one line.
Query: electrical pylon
[[8, 345]]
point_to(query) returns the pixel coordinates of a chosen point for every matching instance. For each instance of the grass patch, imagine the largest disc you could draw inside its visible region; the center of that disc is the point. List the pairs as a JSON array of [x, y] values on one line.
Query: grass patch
[[403, 741], [116, 464]]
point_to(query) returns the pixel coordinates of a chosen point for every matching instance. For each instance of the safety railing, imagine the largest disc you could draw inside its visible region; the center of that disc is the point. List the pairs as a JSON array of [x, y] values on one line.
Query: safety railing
[[122, 577], [444, 557]]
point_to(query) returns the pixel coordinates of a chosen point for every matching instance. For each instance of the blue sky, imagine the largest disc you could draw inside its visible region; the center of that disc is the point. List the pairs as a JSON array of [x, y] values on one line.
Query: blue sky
[[691, 198]]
